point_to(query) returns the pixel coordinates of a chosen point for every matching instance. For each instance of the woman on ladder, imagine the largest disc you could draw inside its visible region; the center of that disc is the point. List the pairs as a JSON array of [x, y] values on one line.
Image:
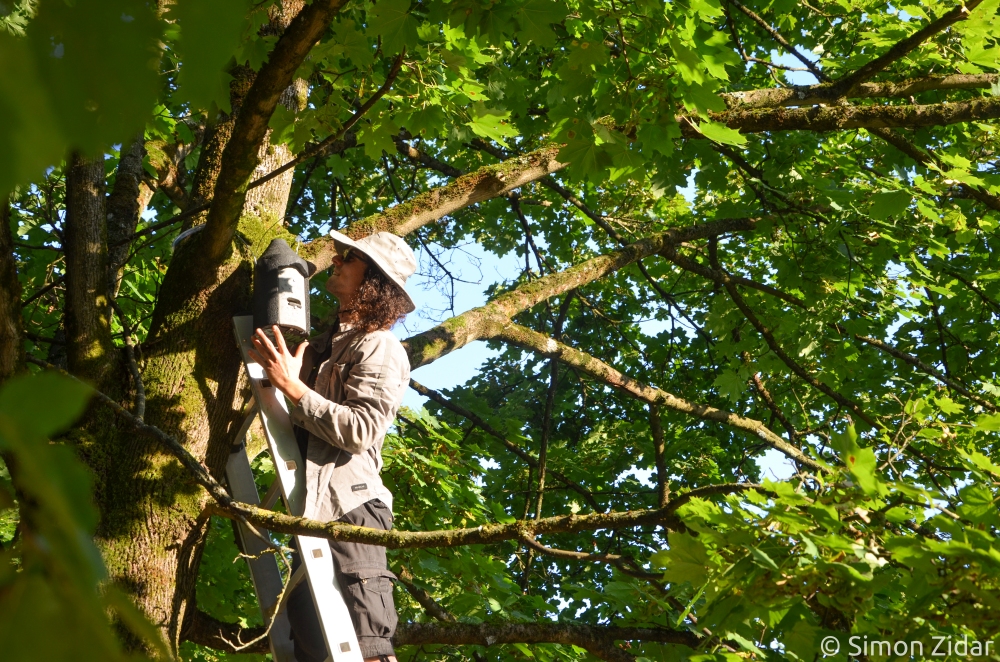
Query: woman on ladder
[[346, 386]]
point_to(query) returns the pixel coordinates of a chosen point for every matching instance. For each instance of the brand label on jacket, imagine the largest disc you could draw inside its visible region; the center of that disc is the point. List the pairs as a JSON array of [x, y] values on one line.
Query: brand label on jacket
[[359, 487]]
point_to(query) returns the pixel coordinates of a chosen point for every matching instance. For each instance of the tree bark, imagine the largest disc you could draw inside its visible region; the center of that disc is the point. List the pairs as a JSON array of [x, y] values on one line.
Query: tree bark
[[844, 118], [813, 95], [152, 511], [89, 346], [483, 184], [125, 204], [11, 332]]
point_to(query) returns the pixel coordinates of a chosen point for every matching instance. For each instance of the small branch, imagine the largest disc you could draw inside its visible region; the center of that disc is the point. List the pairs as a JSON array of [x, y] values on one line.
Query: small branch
[[662, 479], [765, 395], [533, 341], [791, 363], [508, 444], [133, 367], [901, 48], [780, 39], [424, 598], [930, 160], [923, 367], [44, 290]]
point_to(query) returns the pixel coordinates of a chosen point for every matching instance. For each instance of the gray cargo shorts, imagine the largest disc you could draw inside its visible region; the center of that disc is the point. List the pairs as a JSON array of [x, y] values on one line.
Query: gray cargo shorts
[[366, 584]]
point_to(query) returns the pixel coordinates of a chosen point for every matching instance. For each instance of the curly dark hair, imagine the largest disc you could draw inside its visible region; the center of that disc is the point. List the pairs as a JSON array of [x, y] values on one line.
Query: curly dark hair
[[378, 303]]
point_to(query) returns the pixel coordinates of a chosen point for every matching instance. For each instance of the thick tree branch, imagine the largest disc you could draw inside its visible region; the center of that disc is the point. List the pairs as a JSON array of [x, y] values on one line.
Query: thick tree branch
[[812, 95], [843, 118], [208, 631], [125, 204], [240, 157], [902, 48], [485, 183], [659, 449], [536, 342], [487, 320]]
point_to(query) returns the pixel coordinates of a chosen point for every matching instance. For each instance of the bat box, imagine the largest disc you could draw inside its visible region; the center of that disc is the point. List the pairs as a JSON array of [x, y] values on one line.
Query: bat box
[[281, 291]]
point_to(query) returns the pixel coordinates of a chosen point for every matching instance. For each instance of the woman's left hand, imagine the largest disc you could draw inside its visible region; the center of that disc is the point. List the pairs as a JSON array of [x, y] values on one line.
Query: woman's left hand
[[282, 367]]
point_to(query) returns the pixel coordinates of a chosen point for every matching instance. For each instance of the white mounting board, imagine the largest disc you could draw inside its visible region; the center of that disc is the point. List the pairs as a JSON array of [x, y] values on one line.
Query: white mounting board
[[334, 618]]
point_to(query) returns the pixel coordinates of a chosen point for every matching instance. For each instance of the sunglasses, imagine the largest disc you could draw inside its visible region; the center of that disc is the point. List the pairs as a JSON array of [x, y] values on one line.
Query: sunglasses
[[350, 255]]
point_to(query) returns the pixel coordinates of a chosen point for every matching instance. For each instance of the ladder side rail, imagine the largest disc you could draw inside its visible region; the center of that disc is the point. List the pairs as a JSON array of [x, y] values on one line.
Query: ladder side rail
[[334, 617]]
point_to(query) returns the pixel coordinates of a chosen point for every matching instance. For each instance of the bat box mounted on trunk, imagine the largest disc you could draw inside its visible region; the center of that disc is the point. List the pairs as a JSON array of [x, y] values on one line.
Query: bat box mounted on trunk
[[281, 292]]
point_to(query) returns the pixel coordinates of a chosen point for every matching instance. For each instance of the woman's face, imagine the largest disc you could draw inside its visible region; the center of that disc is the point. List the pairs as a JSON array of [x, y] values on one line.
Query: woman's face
[[346, 276]]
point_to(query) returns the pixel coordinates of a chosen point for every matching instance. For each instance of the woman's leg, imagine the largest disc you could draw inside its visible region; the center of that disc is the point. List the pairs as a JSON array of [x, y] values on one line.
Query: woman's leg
[[366, 586]]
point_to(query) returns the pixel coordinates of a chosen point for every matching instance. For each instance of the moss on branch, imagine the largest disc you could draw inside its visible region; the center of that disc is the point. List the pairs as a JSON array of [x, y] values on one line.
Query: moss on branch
[[482, 184]]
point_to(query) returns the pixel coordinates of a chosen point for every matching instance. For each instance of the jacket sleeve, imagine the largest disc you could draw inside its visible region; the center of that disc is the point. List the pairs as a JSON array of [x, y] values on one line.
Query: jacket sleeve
[[372, 396]]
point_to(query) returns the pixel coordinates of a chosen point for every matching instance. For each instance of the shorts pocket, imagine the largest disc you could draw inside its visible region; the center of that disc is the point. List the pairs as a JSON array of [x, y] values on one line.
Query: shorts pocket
[[368, 593]]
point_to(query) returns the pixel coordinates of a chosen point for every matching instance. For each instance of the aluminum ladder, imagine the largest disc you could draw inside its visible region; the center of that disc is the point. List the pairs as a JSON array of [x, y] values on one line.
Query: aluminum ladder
[[317, 567]]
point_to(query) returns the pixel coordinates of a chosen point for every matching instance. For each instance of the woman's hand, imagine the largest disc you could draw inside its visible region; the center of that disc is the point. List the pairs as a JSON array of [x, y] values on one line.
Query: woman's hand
[[282, 367]]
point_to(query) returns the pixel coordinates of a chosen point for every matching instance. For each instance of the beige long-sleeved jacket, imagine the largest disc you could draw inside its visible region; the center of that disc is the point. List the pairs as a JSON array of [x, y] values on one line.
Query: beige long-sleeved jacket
[[357, 393]]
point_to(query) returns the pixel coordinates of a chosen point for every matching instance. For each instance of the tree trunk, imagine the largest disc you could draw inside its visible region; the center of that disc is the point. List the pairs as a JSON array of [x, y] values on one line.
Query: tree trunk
[[88, 310], [11, 341], [153, 522]]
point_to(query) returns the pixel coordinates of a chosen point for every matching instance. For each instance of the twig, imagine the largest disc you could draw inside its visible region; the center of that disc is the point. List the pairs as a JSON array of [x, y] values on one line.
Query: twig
[[41, 292], [508, 444], [780, 39], [140, 390], [791, 363]]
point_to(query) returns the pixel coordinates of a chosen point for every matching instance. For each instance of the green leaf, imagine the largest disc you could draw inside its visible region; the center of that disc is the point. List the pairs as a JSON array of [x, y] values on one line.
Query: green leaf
[[859, 461], [763, 559], [730, 385], [210, 33], [44, 404], [354, 43], [688, 63], [535, 18], [489, 123], [889, 203], [721, 133], [83, 77], [393, 22], [978, 505], [685, 561]]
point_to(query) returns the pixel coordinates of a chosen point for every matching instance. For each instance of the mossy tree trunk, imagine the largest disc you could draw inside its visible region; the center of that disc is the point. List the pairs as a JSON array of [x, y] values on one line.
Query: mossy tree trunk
[[153, 519]]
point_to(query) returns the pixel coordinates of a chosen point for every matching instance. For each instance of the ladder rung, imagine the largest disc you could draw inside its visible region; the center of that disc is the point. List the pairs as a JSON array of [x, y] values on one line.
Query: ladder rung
[[271, 498]]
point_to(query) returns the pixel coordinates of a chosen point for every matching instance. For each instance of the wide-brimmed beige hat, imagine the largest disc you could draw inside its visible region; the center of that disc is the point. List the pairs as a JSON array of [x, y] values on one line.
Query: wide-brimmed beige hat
[[387, 252]]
